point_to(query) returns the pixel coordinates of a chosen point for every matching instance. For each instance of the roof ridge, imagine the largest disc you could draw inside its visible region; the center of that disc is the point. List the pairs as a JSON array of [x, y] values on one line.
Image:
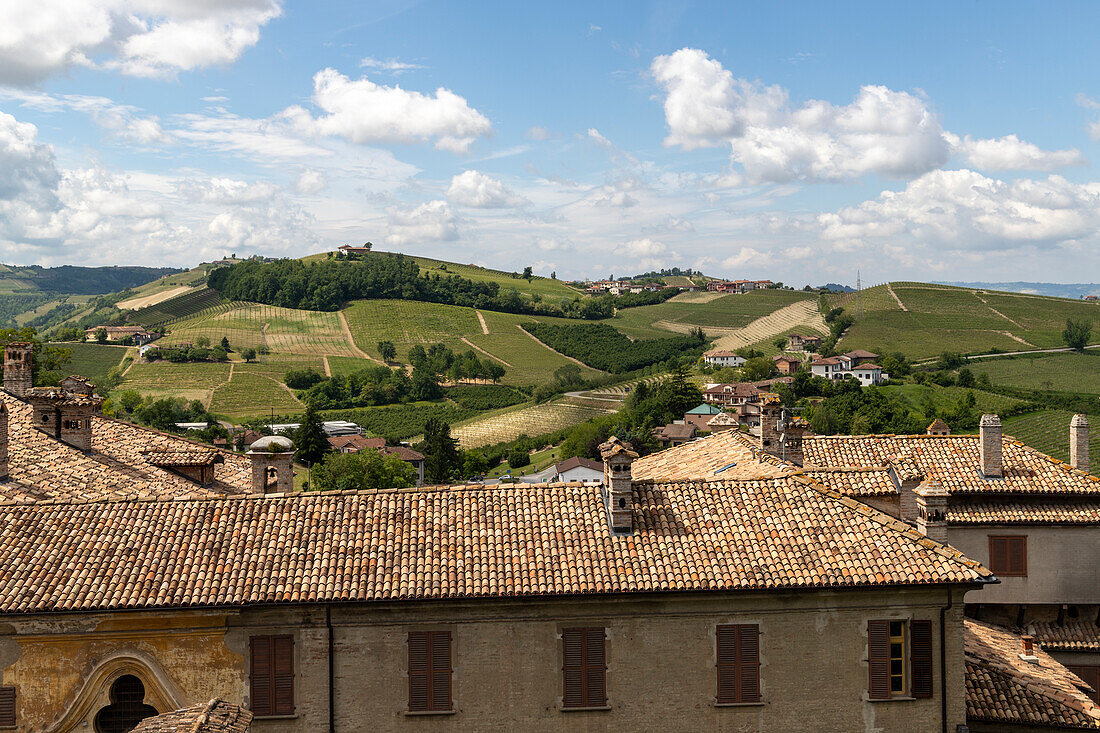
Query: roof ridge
[[897, 525], [204, 715]]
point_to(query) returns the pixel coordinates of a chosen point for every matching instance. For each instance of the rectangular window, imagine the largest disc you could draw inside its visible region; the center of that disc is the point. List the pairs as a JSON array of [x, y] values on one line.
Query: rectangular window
[[429, 671], [1008, 555], [738, 663], [899, 658], [584, 668], [7, 707], [1090, 675], [272, 675]]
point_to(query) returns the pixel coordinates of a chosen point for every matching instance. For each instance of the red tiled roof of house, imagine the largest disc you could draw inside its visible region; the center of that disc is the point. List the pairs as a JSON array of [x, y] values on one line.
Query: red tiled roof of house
[[456, 542], [183, 456], [1003, 688], [728, 454], [403, 452], [953, 460], [674, 431], [1069, 636], [42, 467], [860, 354], [578, 462], [215, 716], [1080, 510], [866, 367], [855, 481], [735, 389]]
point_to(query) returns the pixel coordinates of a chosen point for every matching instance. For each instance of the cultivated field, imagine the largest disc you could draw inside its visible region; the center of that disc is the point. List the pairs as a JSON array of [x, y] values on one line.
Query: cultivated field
[[945, 398], [191, 303], [188, 381], [533, 420], [144, 301], [1063, 372], [283, 330], [93, 360], [250, 393], [717, 316], [1049, 432], [923, 320]]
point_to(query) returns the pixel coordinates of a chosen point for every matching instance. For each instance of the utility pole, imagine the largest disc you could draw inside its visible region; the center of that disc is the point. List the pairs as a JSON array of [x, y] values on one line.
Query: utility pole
[[859, 296]]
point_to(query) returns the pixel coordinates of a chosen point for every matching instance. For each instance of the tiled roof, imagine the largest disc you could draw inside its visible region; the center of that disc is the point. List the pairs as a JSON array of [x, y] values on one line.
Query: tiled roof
[[953, 460], [42, 467], [183, 456], [1003, 688], [736, 389], [867, 367], [860, 354], [674, 431], [216, 716], [1080, 511], [728, 454], [856, 481], [1070, 636], [403, 452], [548, 539], [578, 462]]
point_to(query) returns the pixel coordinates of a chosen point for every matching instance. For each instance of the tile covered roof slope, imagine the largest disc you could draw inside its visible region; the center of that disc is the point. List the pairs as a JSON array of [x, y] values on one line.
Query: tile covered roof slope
[[728, 455], [42, 467], [216, 716], [551, 539], [1070, 636], [953, 461], [1003, 688]]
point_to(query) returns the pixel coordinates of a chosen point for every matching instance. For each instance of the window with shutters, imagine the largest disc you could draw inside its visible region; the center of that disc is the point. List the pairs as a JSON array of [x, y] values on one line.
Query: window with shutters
[[430, 672], [1090, 674], [584, 668], [738, 664], [7, 707], [271, 684], [899, 659], [1008, 555]]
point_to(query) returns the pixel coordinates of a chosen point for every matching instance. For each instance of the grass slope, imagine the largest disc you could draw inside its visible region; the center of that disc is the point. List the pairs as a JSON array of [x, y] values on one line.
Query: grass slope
[[1064, 372], [283, 330], [941, 318], [533, 420], [1048, 431], [946, 398], [715, 315], [93, 360]]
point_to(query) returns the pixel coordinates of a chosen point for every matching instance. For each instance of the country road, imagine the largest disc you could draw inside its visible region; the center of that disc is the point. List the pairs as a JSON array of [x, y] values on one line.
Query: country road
[[977, 357]]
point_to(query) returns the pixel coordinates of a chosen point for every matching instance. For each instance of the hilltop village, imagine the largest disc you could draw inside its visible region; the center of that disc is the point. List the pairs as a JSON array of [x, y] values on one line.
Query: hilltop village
[[716, 516]]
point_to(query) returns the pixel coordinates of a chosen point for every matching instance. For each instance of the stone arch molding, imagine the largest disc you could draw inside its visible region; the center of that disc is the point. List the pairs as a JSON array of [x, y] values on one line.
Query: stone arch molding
[[160, 691]]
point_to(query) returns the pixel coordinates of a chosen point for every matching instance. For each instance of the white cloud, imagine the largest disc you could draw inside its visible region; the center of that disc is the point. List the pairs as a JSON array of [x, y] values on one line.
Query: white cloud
[[27, 171], [227, 190], [364, 112], [968, 211], [645, 254], [430, 221], [1012, 153], [744, 256], [311, 181], [595, 136], [124, 122], [475, 189], [138, 37], [537, 132], [396, 66], [881, 131]]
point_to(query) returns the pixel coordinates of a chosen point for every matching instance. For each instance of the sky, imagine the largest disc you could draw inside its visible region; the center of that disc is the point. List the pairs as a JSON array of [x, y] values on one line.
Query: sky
[[799, 142]]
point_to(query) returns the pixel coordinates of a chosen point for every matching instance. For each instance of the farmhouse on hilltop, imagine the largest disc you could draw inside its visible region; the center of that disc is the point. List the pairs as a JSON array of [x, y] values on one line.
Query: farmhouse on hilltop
[[139, 335], [723, 358]]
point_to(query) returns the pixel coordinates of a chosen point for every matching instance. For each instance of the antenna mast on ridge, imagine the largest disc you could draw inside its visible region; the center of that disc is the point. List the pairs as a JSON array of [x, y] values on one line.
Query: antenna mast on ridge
[[859, 296]]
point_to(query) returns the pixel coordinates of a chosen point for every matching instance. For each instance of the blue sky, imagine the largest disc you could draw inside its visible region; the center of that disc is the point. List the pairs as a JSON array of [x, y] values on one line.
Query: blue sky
[[798, 142]]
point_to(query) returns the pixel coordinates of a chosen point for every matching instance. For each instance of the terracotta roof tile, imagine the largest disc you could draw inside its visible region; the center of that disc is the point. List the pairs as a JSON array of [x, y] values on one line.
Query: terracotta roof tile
[[1071, 636], [1079, 511], [1003, 688], [42, 467], [728, 454], [216, 716], [856, 481], [458, 542]]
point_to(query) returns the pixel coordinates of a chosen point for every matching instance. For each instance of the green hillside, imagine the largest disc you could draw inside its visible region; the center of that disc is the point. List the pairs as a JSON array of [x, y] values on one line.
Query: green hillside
[[1048, 431], [711, 311], [923, 320], [1062, 372]]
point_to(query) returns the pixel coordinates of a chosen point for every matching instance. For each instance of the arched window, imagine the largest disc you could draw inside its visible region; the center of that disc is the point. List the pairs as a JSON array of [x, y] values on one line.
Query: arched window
[[127, 707]]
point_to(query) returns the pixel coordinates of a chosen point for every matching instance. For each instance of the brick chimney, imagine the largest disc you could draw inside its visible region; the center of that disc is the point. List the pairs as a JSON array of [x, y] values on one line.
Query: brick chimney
[[932, 510], [1079, 443], [17, 368], [272, 465], [3, 441], [989, 446], [618, 495], [65, 415], [780, 433], [1028, 654]]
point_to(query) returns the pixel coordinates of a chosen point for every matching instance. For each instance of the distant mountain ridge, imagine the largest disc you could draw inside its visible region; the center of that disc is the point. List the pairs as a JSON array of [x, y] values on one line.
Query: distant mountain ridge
[[1057, 290], [77, 280]]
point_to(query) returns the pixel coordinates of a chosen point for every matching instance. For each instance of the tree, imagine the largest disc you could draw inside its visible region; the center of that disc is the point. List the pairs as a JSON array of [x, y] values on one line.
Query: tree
[[387, 350], [528, 274], [248, 354], [101, 335], [757, 368], [441, 457], [218, 354], [966, 378], [779, 342], [203, 342], [225, 343], [474, 463], [367, 469], [518, 458], [1077, 334], [310, 443]]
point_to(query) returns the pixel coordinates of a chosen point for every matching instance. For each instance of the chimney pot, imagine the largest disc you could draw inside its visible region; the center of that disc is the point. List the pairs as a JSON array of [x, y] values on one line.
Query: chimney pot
[[989, 430], [617, 484], [932, 510], [1079, 443], [1029, 644], [17, 367]]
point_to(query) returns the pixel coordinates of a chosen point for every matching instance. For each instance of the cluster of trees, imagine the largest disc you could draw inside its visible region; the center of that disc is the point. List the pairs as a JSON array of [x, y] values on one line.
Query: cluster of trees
[[202, 350], [1077, 334], [373, 385], [485, 396], [326, 285], [364, 470], [602, 347], [47, 362], [163, 413], [838, 322], [440, 360]]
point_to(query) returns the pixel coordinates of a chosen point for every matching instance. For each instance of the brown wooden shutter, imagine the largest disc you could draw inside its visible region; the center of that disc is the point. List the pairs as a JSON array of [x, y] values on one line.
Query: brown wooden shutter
[[572, 641], [1017, 555], [283, 678], [738, 663], [878, 659], [920, 642], [429, 671], [262, 693], [7, 707], [595, 669], [584, 668], [441, 670], [418, 671], [998, 555]]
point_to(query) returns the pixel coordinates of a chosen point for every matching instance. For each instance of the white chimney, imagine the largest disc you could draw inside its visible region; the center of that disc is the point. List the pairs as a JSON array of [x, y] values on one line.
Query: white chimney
[[990, 446], [1079, 443]]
